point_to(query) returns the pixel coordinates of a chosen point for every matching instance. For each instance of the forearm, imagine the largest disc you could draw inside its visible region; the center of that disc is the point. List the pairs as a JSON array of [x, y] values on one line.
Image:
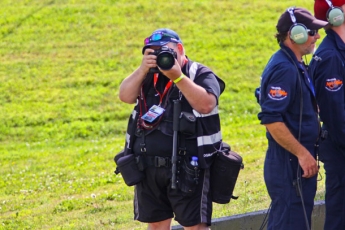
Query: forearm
[[130, 86], [200, 100], [284, 138]]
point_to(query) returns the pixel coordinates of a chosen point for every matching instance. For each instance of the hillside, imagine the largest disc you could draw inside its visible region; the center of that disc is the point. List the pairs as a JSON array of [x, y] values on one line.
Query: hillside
[[61, 64]]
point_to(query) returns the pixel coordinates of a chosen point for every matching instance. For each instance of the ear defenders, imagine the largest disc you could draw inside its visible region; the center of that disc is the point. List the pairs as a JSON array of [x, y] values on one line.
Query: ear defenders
[[298, 31], [335, 15]]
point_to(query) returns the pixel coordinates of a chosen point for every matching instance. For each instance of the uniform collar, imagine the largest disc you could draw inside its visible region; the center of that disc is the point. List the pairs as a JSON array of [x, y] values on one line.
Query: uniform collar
[[289, 51], [336, 39]]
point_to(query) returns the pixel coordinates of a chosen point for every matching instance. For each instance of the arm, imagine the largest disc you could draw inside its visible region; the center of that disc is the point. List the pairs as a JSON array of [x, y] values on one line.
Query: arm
[[200, 100], [329, 79], [197, 96], [284, 138], [130, 86]]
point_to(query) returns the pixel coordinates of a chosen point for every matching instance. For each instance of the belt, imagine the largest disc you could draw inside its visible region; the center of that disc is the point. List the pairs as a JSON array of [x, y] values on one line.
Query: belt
[[157, 161]]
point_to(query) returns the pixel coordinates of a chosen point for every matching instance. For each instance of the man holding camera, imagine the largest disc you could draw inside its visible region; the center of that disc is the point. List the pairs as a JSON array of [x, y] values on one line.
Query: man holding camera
[[167, 76]]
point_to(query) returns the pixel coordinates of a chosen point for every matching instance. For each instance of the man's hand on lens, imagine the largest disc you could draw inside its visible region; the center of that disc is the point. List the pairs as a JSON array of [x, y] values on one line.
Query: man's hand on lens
[[173, 73], [149, 60]]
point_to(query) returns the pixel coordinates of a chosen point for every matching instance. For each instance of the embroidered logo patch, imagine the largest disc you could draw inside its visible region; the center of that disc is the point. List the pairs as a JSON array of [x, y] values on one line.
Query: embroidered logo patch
[[277, 93], [333, 84]]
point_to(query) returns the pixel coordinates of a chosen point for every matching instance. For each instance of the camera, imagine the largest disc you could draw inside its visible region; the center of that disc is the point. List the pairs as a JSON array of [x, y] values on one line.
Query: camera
[[165, 59]]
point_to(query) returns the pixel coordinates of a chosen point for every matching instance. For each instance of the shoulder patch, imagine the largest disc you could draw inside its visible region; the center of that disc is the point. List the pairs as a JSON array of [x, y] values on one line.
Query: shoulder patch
[[277, 93], [333, 84]]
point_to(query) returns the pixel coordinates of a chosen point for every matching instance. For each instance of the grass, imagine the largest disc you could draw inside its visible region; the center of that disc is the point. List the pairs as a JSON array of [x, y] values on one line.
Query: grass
[[61, 64]]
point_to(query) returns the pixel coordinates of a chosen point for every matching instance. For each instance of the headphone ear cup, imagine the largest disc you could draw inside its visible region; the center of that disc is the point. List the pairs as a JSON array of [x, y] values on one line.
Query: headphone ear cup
[[335, 16], [298, 33]]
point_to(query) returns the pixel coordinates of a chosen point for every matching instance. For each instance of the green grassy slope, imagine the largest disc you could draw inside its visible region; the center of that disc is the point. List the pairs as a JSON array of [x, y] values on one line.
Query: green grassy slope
[[61, 64]]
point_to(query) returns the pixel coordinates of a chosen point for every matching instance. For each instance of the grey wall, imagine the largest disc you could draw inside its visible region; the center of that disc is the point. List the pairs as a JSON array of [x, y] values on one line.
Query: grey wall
[[254, 220]]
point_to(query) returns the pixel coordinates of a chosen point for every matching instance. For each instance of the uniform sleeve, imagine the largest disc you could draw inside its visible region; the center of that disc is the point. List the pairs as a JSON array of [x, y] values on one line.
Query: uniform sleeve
[[329, 79], [209, 82], [277, 92]]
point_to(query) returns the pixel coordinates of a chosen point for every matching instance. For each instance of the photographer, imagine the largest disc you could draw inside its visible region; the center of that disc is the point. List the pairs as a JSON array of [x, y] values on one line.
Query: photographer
[[289, 113], [164, 76]]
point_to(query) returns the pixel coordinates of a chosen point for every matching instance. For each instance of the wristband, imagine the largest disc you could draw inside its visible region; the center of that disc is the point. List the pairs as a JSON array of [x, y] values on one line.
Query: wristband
[[178, 79]]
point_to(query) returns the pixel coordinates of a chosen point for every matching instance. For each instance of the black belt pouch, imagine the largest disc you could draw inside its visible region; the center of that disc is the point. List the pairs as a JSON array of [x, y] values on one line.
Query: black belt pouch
[[224, 173], [116, 158], [128, 167], [187, 123]]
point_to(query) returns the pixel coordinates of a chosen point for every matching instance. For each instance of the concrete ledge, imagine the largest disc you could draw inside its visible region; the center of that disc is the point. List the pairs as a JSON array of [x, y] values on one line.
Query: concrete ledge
[[254, 220]]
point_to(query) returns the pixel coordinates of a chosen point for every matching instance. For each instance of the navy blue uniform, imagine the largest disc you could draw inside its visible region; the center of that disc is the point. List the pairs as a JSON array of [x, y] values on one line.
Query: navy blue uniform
[[329, 73], [284, 91]]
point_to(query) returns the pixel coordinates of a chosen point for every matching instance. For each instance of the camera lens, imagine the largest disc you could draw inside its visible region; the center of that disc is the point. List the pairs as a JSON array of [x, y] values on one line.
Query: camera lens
[[165, 60]]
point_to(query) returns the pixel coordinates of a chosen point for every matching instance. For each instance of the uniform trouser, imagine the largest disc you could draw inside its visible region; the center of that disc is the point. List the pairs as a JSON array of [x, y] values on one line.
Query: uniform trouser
[[334, 164], [280, 172]]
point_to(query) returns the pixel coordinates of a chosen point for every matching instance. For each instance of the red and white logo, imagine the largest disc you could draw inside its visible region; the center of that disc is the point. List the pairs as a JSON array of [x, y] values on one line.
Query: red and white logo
[[333, 84], [277, 93]]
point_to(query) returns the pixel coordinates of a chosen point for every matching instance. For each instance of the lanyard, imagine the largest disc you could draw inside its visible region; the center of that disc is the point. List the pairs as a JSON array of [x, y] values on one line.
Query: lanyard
[[306, 75], [142, 99], [167, 86]]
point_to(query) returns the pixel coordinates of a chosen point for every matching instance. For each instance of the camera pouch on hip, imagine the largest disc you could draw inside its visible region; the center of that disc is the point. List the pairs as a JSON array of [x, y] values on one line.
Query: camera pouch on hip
[[116, 158], [224, 173], [128, 167], [187, 123], [188, 177]]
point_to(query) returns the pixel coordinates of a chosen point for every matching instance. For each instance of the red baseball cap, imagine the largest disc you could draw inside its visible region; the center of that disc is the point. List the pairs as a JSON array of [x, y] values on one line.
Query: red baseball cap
[[321, 7]]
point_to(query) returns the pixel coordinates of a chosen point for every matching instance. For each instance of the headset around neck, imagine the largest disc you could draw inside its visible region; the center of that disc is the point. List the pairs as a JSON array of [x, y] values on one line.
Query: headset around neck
[[335, 15]]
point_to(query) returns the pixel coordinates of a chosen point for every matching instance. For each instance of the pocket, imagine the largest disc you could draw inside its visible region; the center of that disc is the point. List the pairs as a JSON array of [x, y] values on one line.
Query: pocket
[[187, 123], [188, 177], [129, 170]]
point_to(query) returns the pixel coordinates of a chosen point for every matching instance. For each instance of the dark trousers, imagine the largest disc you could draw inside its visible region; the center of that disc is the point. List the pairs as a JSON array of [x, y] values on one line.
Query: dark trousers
[[334, 164], [280, 172]]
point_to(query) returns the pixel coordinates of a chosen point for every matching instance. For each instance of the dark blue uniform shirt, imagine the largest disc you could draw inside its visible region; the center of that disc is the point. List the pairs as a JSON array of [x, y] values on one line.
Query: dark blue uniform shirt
[[328, 69], [285, 92]]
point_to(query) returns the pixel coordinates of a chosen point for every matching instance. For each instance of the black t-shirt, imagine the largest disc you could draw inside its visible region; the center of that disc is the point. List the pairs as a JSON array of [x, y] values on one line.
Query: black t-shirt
[[159, 142]]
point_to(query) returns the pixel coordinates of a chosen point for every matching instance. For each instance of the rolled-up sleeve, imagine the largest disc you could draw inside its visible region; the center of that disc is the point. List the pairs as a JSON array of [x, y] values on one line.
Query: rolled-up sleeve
[[278, 86]]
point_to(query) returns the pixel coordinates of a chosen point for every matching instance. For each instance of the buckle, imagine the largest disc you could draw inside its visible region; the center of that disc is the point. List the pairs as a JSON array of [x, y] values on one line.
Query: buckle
[[182, 151], [142, 147], [161, 161], [324, 134]]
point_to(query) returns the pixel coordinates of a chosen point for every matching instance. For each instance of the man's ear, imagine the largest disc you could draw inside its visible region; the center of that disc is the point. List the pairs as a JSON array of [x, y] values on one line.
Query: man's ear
[[180, 48]]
